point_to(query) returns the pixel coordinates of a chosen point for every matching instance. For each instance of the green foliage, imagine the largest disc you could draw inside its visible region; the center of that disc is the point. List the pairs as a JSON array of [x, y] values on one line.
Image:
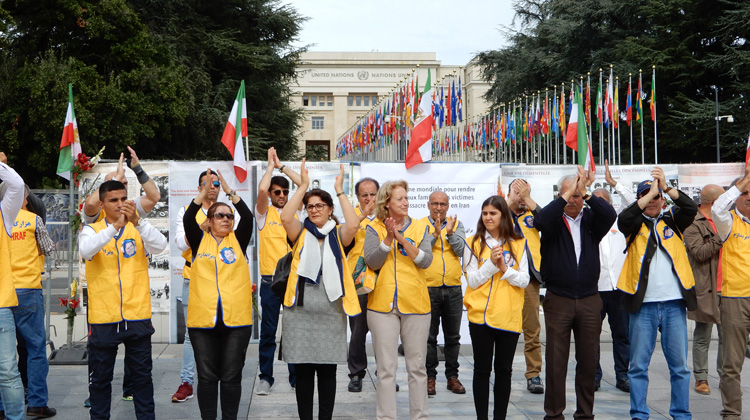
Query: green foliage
[[694, 44], [159, 76]]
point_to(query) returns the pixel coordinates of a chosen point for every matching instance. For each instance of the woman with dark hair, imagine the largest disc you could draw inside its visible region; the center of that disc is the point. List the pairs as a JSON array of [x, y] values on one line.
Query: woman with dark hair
[[496, 269], [399, 247], [220, 315], [320, 292]]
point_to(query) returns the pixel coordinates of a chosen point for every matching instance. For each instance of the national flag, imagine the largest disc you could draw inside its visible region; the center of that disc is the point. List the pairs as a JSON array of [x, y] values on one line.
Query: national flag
[[616, 105], [609, 111], [599, 105], [576, 137], [747, 152], [629, 107], [460, 102], [454, 101], [70, 145], [653, 96], [232, 137], [420, 145]]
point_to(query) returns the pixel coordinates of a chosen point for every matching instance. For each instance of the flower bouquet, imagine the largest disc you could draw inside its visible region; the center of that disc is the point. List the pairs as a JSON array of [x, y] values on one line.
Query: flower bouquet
[[71, 304]]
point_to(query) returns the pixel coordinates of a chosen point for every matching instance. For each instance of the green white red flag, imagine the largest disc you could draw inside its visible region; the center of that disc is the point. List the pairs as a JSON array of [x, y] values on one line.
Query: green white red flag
[[232, 137], [420, 145], [576, 137], [70, 145]]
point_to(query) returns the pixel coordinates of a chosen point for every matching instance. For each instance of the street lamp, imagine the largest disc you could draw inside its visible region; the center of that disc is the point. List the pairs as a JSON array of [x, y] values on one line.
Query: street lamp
[[718, 118]]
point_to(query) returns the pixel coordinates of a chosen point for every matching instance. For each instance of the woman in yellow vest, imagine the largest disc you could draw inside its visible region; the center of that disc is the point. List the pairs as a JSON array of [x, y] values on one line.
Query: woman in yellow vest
[[320, 292], [399, 248], [496, 269], [220, 314]]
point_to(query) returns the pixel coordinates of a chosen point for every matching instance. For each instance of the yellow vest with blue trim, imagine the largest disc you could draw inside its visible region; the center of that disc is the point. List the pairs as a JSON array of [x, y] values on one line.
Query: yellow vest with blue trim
[[26, 263], [496, 303], [399, 278], [531, 234], [272, 242], [187, 254], [735, 259], [359, 242], [349, 301], [672, 242], [8, 297], [445, 269], [117, 278], [220, 276]]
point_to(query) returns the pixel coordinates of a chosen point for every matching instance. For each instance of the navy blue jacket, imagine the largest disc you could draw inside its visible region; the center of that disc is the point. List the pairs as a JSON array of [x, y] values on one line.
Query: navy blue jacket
[[561, 273]]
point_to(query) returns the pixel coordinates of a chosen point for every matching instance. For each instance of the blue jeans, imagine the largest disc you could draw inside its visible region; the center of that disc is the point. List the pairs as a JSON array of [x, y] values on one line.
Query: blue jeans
[[448, 304], [11, 388], [270, 306], [670, 318], [188, 357]]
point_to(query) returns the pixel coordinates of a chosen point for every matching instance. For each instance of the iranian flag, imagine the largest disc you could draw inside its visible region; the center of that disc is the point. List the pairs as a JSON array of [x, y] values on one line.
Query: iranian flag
[[576, 137], [232, 138], [70, 145], [420, 146]]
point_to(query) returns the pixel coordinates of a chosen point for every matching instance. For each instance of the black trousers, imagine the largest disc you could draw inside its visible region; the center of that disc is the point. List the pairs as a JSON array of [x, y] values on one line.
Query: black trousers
[[219, 358], [103, 342], [357, 360], [306, 388], [485, 342]]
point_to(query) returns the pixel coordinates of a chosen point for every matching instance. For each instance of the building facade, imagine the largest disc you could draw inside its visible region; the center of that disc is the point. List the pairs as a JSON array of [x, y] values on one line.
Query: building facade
[[335, 89]]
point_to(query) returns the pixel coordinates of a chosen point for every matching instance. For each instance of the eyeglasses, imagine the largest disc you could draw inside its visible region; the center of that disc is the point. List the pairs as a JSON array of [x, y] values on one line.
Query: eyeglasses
[[229, 216], [317, 206], [437, 204], [658, 196], [216, 183], [279, 192], [372, 194]]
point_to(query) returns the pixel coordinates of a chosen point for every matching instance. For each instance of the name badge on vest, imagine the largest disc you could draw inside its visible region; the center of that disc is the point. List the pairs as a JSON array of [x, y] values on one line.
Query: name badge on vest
[[668, 232], [510, 260], [128, 248], [228, 256], [529, 222]]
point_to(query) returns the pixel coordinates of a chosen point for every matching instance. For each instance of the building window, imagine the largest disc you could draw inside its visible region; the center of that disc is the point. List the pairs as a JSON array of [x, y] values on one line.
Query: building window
[[329, 100], [374, 100], [350, 101], [305, 101], [367, 101], [362, 100], [317, 123], [321, 101], [313, 100], [358, 100]]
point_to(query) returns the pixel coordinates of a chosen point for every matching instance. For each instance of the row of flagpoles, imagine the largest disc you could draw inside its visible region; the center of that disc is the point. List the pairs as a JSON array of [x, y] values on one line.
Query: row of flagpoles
[[527, 129]]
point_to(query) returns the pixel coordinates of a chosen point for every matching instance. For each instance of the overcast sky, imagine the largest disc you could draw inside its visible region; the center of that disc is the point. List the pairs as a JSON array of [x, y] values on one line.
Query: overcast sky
[[455, 30]]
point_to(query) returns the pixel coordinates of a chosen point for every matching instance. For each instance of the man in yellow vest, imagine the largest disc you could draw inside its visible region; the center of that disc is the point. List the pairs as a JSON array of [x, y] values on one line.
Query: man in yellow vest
[[733, 227], [272, 246], [659, 287], [524, 209], [116, 251], [30, 242], [366, 190], [11, 387], [444, 285], [187, 373]]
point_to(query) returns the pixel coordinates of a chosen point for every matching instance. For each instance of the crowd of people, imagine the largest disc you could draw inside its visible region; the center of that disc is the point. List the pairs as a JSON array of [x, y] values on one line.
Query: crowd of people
[[646, 270]]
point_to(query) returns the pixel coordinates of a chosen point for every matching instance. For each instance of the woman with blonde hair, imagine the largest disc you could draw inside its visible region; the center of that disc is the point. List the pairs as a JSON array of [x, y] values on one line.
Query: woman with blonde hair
[[496, 269], [398, 247], [320, 292], [220, 316]]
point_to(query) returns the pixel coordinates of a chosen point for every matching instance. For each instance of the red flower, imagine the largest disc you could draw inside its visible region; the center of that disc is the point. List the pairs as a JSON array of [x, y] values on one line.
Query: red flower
[[74, 303], [63, 301], [254, 287]]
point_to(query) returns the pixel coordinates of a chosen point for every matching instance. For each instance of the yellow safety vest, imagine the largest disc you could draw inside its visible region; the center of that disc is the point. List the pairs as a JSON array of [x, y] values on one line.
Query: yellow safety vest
[[8, 296], [672, 242], [117, 278], [530, 232], [359, 242], [496, 303], [735, 255], [350, 301], [220, 276], [399, 279], [445, 269], [187, 254], [273, 243], [27, 264]]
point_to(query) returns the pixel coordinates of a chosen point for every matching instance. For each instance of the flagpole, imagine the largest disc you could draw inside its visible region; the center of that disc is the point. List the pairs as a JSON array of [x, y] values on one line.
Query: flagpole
[[630, 123], [653, 101], [588, 107], [640, 107]]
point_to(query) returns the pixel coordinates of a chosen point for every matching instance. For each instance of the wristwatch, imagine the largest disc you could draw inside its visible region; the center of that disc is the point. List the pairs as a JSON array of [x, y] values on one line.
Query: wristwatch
[[231, 194], [587, 195]]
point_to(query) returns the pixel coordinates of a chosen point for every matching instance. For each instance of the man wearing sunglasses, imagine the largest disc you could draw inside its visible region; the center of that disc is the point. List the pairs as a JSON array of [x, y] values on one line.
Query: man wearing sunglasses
[[187, 373], [272, 246], [659, 287], [733, 227]]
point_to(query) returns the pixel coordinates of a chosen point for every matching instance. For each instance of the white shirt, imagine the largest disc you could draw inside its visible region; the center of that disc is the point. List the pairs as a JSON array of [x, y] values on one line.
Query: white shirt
[[13, 198], [663, 284], [477, 276], [179, 238], [612, 247], [91, 242], [575, 231], [721, 215]]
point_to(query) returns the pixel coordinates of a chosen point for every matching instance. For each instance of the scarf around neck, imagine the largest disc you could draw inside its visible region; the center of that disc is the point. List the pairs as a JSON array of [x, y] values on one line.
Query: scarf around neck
[[330, 265]]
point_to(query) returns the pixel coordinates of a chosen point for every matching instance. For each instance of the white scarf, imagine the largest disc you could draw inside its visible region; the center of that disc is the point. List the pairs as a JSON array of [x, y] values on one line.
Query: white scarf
[[310, 262]]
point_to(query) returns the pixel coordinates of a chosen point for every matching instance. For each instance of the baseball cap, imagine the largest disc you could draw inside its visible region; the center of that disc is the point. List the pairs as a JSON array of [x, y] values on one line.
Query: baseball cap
[[644, 187]]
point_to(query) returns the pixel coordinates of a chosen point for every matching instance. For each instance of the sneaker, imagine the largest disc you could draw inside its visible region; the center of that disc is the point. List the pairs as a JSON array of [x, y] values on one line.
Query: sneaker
[[355, 384], [184, 392], [264, 387], [87, 403], [40, 412], [534, 385], [127, 397], [624, 385]]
